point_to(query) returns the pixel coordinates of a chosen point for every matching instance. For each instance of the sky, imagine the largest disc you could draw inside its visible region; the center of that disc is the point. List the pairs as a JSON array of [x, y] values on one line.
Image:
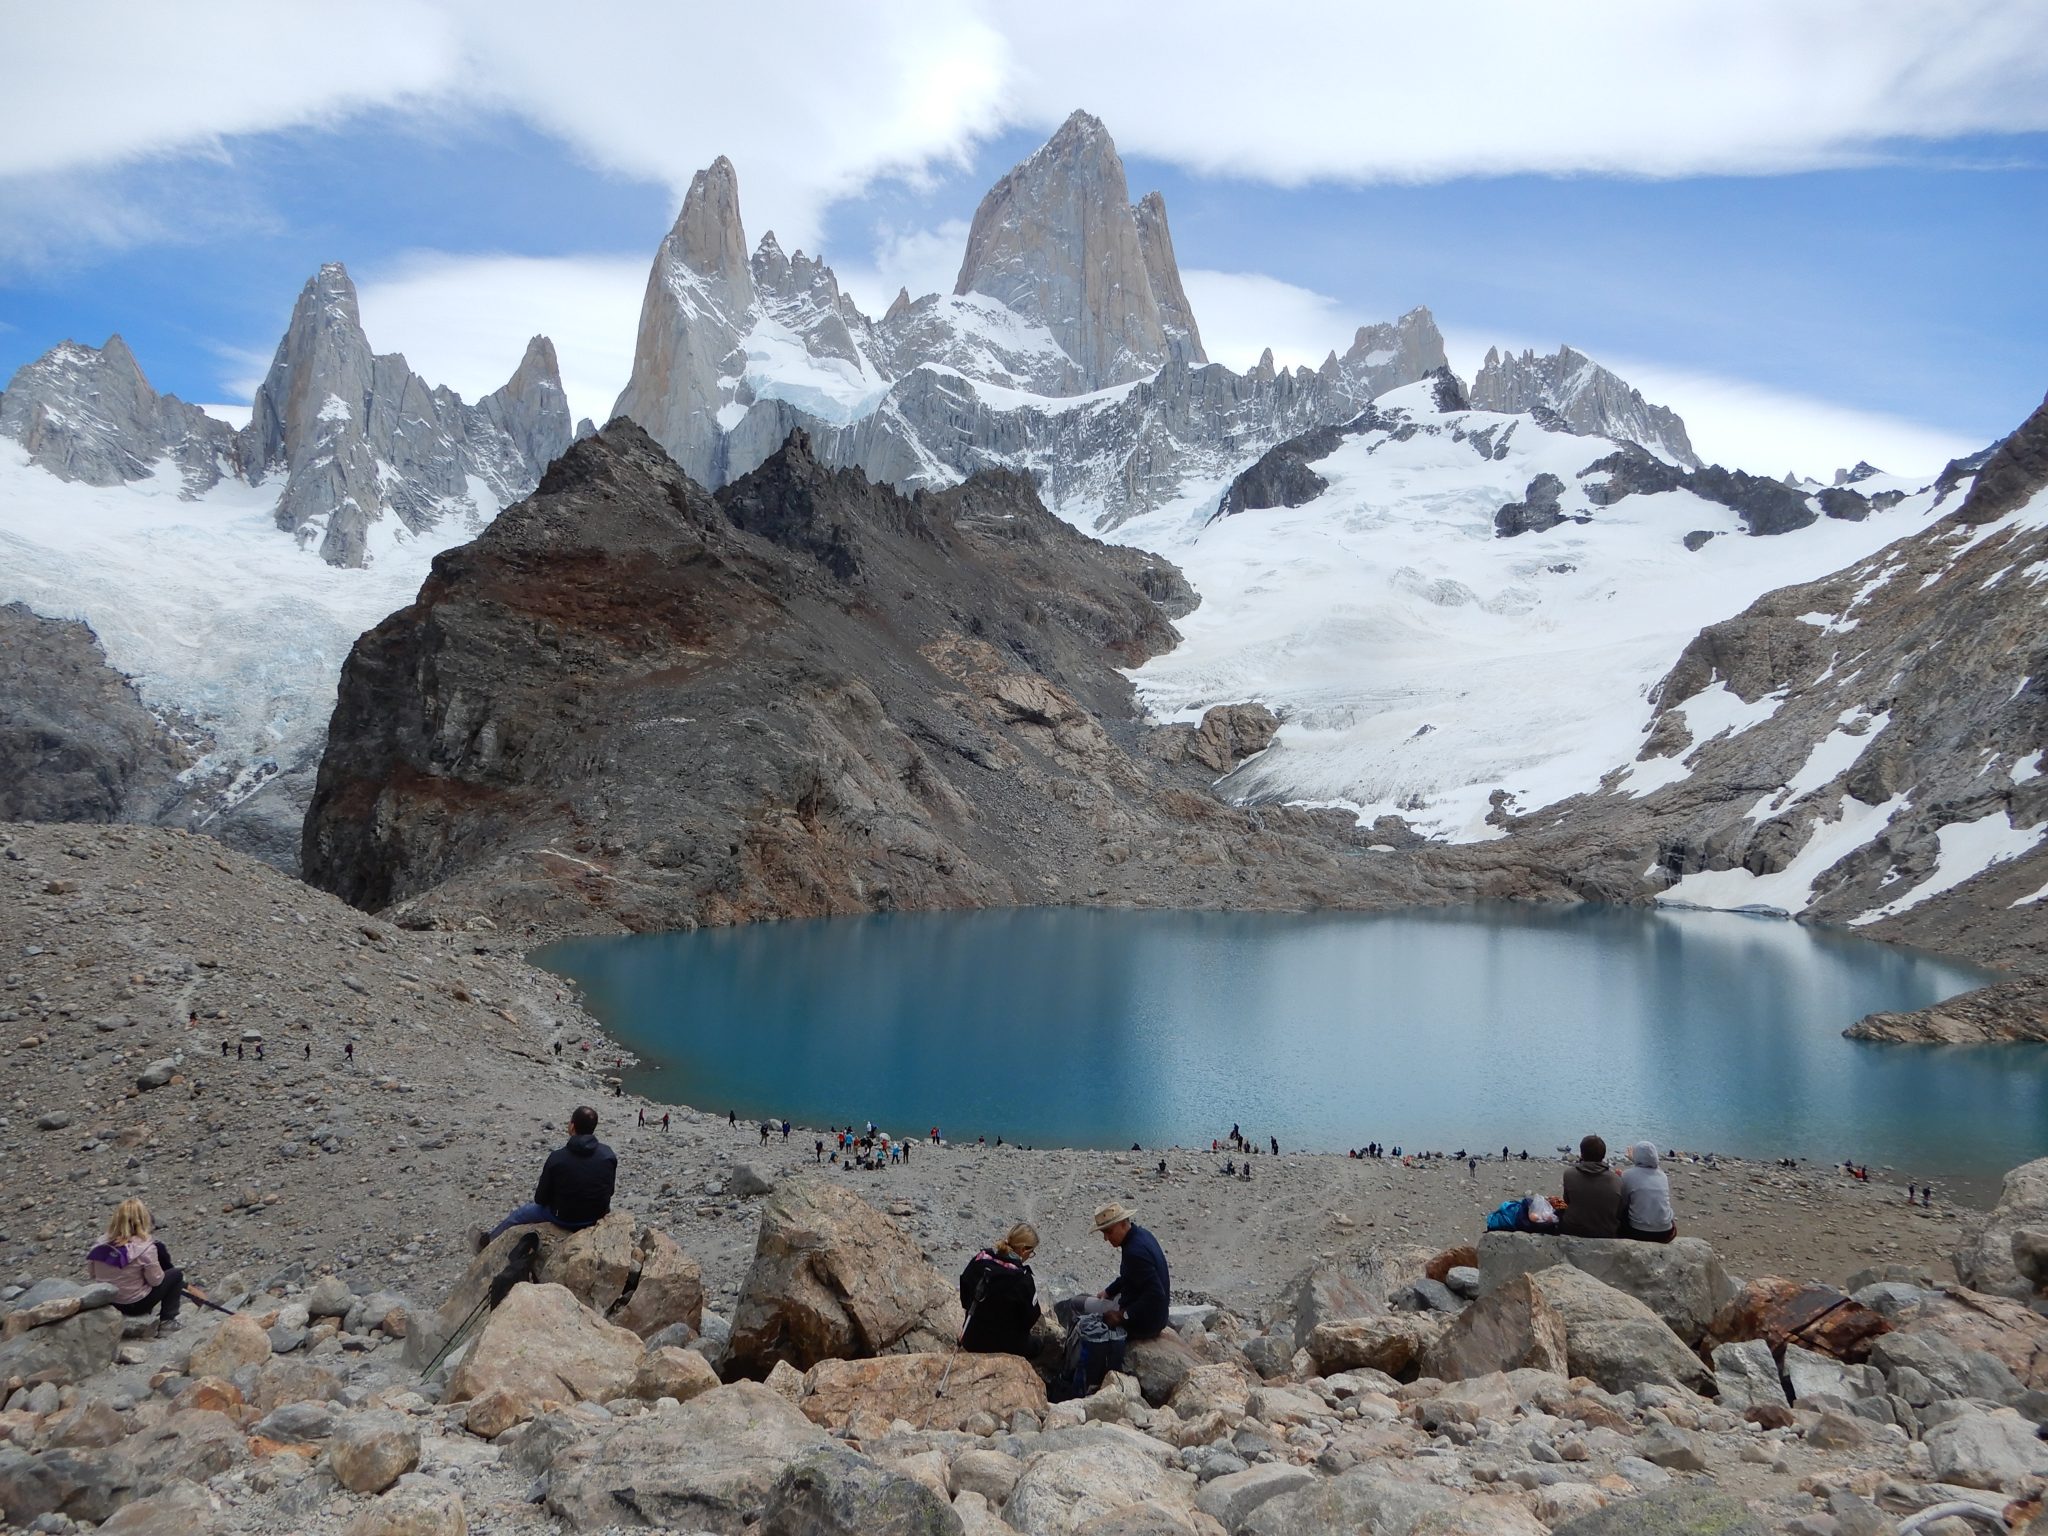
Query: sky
[[1812, 228]]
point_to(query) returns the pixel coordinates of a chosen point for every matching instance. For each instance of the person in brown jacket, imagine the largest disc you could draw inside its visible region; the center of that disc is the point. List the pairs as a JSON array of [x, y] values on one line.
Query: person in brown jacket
[[1592, 1194]]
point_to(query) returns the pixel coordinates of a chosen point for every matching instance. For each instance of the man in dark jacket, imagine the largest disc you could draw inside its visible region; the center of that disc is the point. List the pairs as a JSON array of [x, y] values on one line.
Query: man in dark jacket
[[575, 1188], [1141, 1288], [1592, 1194]]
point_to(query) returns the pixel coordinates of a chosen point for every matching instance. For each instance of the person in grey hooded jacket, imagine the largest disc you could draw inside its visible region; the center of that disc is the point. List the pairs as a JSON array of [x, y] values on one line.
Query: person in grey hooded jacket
[[1646, 1213]]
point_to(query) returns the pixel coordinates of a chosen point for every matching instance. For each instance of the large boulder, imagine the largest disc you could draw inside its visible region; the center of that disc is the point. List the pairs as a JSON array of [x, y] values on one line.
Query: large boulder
[[1987, 1450], [543, 1345], [833, 1491], [417, 1506], [1746, 1377], [64, 1352], [1616, 1339], [709, 1465], [1508, 1328], [1089, 1474], [909, 1387], [1985, 1261], [2009, 1330], [1368, 1498], [1816, 1317], [1680, 1511], [1394, 1343], [182, 1509], [1682, 1281], [833, 1278], [368, 1452], [628, 1272], [1949, 1368], [1159, 1365], [238, 1341], [1330, 1293]]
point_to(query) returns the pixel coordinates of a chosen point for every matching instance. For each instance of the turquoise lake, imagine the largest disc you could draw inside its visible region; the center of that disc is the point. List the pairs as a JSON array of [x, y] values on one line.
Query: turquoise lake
[[1441, 1029]]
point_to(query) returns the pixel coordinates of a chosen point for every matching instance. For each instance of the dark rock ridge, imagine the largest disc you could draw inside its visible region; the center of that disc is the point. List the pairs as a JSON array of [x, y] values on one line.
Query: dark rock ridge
[[633, 703], [354, 436], [76, 741]]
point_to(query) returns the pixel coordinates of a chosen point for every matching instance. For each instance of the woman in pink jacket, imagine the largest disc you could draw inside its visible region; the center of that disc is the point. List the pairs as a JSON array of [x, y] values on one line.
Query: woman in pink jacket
[[137, 1266]]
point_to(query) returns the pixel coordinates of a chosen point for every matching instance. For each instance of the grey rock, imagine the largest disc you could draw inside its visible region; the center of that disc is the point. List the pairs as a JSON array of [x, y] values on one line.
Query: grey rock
[[1330, 1293], [1682, 1281], [1746, 1377], [1809, 1375], [1945, 1366], [711, 1465], [370, 1451], [1987, 1450], [1271, 1355], [1536, 512], [53, 1120], [329, 1297], [1231, 1499], [1674, 1449], [1614, 1338], [748, 1182], [1362, 1499], [65, 1352], [1463, 1279], [833, 1491], [157, 1074], [1985, 1261], [298, 1422]]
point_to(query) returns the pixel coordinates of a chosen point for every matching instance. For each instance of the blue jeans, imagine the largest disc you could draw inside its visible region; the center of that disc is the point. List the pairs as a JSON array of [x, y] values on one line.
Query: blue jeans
[[530, 1214]]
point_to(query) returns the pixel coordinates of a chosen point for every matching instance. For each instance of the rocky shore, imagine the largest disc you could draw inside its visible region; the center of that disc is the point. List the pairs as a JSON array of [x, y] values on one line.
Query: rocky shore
[[693, 1375]]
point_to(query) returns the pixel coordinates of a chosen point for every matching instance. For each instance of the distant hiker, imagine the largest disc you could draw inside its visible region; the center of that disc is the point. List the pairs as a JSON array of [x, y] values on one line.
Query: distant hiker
[[819, 1149], [1592, 1194], [1140, 1292], [223, 1050], [348, 1053], [1503, 1154], [664, 1120], [643, 1117], [238, 1051], [1000, 1296], [1245, 1173], [1162, 1167], [1276, 1146], [619, 1089], [935, 1135], [1646, 1213], [558, 1049], [1472, 1166], [785, 1130], [309, 1050], [732, 1117], [259, 1050], [137, 1266], [764, 1133], [576, 1182]]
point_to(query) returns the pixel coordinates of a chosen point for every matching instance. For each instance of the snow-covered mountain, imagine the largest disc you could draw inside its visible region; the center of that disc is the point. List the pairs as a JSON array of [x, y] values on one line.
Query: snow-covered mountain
[[1068, 348], [228, 571], [1464, 605]]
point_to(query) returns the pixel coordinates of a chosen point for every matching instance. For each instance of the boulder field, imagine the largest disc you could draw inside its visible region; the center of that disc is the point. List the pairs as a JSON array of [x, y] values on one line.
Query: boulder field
[[1554, 1386]]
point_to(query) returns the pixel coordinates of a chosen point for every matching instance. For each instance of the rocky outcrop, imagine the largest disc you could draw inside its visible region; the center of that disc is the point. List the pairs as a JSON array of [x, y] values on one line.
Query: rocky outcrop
[[541, 1345], [76, 742], [87, 413], [1535, 512], [2006, 1011], [1989, 1261], [829, 698], [1586, 398], [1176, 315], [1057, 242], [1681, 1281]]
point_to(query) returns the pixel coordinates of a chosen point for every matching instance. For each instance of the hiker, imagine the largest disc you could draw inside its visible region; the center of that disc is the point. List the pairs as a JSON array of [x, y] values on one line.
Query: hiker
[[259, 1050], [820, 1150], [348, 1053], [575, 1188], [223, 1050], [764, 1133], [1276, 1146], [785, 1130], [1646, 1214], [999, 1295], [1592, 1194], [238, 1051], [1140, 1290], [664, 1122], [643, 1119], [732, 1117], [558, 1049], [137, 1266], [309, 1050]]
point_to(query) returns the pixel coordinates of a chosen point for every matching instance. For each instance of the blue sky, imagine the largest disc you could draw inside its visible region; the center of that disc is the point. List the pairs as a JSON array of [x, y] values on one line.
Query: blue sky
[[1814, 253]]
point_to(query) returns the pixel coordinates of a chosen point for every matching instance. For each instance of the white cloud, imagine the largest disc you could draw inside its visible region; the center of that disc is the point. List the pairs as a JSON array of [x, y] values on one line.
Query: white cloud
[[463, 321], [1758, 427], [920, 260], [817, 105], [1243, 313]]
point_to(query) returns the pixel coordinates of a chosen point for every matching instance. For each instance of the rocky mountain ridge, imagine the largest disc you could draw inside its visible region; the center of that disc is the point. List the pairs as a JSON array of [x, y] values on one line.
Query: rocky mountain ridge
[[356, 437], [1586, 398]]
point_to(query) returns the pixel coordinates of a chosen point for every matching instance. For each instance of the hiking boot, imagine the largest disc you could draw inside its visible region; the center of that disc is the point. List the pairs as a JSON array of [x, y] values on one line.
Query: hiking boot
[[166, 1326]]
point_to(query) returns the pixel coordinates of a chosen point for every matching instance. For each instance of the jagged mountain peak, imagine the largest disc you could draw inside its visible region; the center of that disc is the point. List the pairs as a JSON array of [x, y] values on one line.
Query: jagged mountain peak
[[1176, 314], [1587, 398], [1057, 241], [709, 236]]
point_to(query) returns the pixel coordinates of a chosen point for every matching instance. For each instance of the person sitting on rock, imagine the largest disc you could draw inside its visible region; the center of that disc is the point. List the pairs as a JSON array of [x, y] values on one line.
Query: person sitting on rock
[[1000, 1296], [576, 1182], [1139, 1294], [137, 1266], [1646, 1214], [1592, 1194]]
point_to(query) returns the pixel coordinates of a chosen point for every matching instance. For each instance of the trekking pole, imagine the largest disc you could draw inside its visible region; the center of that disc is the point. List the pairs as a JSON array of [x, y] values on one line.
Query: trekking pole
[[947, 1374], [456, 1337], [191, 1295]]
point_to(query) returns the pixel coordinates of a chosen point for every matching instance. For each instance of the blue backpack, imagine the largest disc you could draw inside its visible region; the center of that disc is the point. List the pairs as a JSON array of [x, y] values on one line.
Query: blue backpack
[[1507, 1216]]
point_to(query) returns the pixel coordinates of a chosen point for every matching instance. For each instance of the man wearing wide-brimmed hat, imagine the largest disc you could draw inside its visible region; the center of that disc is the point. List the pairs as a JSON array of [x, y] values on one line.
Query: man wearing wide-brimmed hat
[[1141, 1289]]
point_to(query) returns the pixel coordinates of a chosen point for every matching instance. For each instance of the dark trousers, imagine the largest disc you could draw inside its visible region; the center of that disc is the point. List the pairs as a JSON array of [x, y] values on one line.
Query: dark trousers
[[1638, 1235], [166, 1295]]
